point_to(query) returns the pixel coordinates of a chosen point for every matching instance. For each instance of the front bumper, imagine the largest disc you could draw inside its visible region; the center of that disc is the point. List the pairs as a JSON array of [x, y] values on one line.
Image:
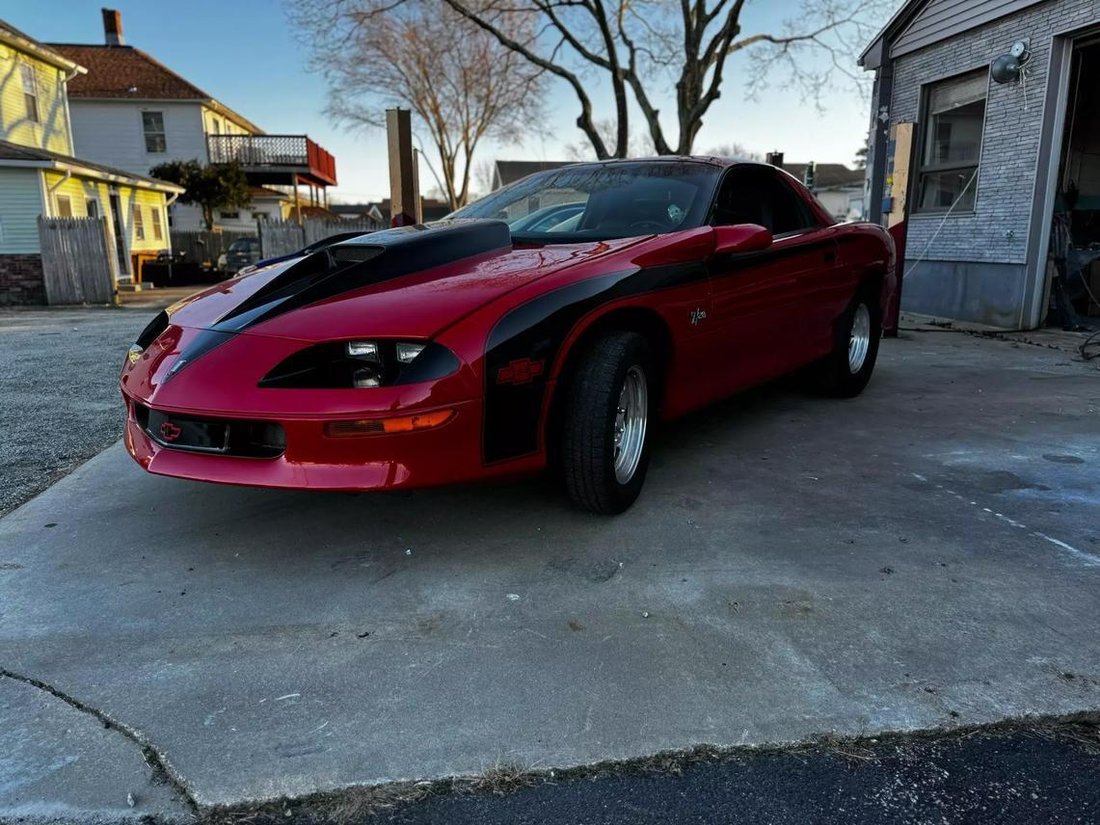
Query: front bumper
[[445, 454]]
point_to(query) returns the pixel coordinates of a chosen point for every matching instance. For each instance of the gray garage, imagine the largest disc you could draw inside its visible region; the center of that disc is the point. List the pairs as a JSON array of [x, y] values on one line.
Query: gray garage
[[984, 136]]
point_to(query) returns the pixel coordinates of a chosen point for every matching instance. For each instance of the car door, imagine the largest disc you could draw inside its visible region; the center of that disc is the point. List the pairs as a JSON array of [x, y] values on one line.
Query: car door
[[758, 299]]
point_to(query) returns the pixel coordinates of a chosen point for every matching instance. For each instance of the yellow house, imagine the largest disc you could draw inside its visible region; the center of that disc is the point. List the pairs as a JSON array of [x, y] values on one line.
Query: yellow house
[[39, 176]]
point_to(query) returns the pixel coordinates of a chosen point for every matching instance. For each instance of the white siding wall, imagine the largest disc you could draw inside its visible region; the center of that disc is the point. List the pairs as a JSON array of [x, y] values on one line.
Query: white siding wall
[[20, 206], [187, 218], [111, 133]]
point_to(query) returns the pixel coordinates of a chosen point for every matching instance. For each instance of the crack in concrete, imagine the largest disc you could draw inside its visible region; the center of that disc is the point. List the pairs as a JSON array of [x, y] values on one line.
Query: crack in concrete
[[161, 767]]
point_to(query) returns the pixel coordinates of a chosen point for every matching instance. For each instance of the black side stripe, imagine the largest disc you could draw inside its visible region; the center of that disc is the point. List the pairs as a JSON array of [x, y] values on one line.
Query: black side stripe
[[533, 333]]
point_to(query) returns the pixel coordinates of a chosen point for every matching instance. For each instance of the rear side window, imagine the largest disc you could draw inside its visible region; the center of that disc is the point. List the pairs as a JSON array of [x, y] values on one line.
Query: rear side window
[[754, 194]]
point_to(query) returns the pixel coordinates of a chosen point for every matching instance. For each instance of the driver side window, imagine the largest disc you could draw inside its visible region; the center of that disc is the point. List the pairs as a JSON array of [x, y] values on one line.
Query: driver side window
[[754, 194]]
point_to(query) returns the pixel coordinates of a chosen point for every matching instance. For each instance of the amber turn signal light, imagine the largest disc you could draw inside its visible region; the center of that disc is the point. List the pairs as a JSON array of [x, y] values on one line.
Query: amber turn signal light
[[387, 426]]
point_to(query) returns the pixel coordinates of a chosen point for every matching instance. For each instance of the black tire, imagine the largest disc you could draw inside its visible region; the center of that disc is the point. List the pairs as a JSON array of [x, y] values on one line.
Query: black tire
[[587, 448], [833, 375]]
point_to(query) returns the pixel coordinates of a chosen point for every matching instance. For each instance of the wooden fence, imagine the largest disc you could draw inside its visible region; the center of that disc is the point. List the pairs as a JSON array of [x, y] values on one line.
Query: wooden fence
[[78, 262], [279, 238], [202, 247]]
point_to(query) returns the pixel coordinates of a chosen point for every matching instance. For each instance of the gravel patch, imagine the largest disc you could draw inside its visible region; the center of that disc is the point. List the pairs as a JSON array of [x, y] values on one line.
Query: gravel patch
[[59, 397]]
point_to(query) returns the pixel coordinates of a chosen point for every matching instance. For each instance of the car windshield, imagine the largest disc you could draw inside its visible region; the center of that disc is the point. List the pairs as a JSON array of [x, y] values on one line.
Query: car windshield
[[602, 201], [244, 245]]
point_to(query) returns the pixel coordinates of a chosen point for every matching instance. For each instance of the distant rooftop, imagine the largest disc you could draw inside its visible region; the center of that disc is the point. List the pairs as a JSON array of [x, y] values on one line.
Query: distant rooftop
[[509, 171], [828, 175]]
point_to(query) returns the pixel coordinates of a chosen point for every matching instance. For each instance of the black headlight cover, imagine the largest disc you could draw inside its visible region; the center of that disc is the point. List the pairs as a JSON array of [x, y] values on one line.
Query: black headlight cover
[[328, 366]]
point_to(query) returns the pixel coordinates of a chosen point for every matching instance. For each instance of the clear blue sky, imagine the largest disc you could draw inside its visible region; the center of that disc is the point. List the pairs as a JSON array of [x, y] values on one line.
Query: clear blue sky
[[243, 53]]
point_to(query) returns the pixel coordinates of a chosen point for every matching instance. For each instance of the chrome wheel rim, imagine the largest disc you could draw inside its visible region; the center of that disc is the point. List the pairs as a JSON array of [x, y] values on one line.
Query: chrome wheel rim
[[860, 340], [631, 418]]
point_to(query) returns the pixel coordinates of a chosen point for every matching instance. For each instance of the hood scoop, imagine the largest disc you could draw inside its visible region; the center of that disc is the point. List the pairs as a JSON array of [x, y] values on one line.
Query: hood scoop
[[362, 262]]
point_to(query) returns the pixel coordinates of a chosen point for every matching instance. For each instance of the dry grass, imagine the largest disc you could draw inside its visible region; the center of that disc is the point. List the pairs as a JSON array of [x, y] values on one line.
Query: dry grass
[[358, 803], [503, 778]]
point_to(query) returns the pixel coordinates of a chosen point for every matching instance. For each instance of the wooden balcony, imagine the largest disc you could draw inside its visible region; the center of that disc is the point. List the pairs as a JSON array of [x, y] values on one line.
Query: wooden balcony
[[275, 159]]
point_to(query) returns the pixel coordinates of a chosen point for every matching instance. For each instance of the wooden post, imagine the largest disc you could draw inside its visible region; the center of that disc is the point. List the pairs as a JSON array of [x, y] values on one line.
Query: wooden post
[[404, 197], [297, 201]]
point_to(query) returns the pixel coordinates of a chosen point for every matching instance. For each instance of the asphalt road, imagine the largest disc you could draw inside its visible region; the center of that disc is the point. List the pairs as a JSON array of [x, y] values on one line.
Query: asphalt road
[[985, 779], [925, 555], [60, 403]]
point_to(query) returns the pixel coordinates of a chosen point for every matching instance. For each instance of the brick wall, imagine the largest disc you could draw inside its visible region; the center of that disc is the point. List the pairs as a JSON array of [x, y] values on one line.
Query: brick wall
[[21, 280], [997, 230]]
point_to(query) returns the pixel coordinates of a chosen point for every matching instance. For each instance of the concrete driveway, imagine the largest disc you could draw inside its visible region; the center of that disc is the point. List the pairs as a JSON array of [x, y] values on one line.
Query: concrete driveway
[[926, 555]]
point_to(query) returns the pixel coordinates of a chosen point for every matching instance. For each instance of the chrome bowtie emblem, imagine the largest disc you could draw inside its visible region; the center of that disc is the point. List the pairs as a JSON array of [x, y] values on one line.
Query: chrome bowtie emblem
[[176, 367], [697, 315]]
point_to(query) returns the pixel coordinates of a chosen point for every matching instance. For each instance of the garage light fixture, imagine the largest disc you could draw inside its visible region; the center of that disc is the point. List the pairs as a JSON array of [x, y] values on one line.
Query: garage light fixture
[[1009, 68]]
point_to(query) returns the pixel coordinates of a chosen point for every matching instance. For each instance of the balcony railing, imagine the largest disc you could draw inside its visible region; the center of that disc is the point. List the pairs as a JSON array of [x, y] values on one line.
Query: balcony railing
[[272, 154]]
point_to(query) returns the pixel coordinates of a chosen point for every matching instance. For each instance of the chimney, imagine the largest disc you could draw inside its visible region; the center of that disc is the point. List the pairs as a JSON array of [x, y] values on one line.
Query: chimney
[[112, 27]]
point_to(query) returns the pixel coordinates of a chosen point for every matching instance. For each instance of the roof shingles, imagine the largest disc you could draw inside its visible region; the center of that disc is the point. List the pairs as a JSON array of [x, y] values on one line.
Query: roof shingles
[[123, 71]]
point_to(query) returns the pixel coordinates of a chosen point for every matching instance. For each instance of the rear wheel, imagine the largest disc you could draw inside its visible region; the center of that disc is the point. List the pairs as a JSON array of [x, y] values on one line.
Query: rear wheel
[[847, 369], [606, 427]]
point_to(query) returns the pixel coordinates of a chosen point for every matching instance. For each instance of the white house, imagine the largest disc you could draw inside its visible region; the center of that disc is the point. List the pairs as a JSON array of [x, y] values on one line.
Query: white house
[[267, 205], [838, 188], [133, 112]]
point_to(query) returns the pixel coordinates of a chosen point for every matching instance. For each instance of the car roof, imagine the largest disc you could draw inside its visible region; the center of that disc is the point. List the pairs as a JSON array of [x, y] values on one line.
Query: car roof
[[711, 160]]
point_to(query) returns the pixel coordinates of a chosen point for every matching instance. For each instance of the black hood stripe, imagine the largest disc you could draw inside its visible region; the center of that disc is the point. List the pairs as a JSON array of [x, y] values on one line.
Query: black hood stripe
[[380, 256]]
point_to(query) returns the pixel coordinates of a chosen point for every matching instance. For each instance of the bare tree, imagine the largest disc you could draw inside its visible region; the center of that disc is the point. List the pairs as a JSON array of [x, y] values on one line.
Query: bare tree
[[484, 174], [734, 150], [637, 146], [641, 45], [461, 83]]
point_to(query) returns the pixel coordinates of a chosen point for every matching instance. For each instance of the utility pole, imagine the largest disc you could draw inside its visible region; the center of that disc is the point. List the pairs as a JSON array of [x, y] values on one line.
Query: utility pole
[[404, 189]]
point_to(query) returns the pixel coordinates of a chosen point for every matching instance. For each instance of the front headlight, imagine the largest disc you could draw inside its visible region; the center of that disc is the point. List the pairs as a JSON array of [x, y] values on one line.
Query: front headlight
[[408, 352], [148, 335], [363, 364]]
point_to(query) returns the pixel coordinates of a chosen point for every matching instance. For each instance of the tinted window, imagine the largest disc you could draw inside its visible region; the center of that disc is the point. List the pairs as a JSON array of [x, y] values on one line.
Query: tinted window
[[754, 194], [612, 200]]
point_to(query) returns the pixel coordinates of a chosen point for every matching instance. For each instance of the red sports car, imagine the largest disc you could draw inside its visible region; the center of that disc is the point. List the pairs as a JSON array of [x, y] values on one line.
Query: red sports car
[[466, 350]]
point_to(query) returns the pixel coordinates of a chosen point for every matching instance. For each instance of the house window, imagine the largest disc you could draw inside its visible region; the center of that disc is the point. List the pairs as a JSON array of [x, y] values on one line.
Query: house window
[[139, 224], [230, 216], [30, 91], [91, 206], [952, 144], [153, 125], [158, 227], [64, 206]]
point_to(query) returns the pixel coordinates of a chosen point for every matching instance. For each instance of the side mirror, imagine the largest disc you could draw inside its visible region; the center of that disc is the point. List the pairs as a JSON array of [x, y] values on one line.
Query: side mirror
[[743, 237]]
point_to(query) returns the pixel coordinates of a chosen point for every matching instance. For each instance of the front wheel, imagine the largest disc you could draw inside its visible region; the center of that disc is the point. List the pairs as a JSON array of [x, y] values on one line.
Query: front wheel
[[605, 434], [847, 369]]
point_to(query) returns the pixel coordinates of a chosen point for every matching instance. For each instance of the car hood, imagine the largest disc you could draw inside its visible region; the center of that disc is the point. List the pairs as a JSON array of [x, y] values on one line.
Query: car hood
[[388, 293]]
